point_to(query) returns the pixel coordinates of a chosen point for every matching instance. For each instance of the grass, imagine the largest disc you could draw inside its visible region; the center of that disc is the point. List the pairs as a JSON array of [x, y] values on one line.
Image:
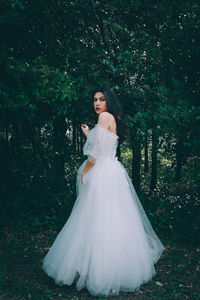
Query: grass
[[21, 277]]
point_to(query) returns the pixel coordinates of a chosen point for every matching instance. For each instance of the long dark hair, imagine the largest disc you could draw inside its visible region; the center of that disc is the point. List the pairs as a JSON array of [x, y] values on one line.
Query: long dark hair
[[114, 107]]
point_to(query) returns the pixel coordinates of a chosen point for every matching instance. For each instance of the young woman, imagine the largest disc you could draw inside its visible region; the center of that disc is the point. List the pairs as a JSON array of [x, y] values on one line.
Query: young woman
[[108, 243]]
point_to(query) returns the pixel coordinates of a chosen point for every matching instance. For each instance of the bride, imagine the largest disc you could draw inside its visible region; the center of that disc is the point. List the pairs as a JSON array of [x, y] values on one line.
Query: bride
[[107, 244]]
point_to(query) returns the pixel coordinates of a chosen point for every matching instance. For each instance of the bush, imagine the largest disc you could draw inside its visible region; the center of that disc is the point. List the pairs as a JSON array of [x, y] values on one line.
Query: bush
[[174, 212]]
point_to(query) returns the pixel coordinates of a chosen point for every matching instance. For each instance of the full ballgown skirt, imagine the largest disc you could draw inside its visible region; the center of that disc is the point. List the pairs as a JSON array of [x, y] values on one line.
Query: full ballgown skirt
[[107, 242]]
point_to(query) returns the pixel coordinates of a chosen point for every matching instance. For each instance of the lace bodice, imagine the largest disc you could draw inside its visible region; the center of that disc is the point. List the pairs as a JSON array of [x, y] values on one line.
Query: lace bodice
[[101, 143]]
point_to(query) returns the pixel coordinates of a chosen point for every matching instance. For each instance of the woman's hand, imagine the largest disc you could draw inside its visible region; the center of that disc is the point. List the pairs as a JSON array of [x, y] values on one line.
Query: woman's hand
[[82, 175], [89, 165], [85, 129]]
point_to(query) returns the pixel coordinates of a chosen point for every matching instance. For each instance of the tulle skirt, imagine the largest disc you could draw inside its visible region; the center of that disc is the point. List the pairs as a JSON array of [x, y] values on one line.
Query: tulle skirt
[[107, 243]]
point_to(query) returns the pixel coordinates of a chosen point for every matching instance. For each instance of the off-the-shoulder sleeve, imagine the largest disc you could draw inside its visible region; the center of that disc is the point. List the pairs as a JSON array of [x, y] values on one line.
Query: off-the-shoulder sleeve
[[94, 144]]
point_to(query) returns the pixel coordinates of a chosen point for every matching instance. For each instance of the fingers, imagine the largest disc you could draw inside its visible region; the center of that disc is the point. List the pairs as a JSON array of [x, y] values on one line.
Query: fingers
[[85, 129], [84, 126]]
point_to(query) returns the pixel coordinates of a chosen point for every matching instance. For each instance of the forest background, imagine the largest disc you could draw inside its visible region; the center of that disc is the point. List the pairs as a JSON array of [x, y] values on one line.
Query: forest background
[[52, 55]]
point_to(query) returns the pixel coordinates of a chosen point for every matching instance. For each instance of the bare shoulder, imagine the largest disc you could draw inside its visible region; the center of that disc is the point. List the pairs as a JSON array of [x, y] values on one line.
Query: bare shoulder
[[105, 116], [106, 119]]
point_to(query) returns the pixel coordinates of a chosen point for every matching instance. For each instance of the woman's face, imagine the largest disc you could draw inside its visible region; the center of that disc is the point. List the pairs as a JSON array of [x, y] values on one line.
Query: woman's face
[[100, 104]]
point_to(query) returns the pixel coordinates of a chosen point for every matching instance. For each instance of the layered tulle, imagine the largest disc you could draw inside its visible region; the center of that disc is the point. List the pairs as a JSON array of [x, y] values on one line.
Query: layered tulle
[[107, 243]]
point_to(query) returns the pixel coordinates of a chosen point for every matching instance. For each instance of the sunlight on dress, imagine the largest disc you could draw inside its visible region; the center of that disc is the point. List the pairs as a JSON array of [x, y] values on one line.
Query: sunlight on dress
[[107, 243]]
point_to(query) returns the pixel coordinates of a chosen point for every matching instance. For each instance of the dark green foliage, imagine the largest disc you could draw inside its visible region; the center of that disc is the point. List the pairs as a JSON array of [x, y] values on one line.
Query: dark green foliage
[[175, 213]]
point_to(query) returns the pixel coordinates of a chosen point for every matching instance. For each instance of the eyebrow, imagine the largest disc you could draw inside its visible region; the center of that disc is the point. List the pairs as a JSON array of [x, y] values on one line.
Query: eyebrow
[[99, 97]]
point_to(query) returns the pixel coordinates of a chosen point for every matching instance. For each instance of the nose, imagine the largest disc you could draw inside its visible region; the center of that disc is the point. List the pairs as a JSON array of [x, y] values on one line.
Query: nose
[[98, 102]]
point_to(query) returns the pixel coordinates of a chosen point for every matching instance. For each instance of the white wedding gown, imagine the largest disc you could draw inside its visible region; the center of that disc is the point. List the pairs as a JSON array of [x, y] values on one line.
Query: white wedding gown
[[107, 242]]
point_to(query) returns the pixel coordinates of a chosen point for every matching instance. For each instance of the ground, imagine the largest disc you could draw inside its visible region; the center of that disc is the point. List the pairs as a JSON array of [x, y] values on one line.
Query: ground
[[21, 275]]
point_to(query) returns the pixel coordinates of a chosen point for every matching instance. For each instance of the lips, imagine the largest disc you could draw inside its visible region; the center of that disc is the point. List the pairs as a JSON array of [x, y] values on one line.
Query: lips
[[97, 108]]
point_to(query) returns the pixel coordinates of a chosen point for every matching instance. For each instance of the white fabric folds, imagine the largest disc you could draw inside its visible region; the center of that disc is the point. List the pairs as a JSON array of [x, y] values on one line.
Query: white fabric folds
[[107, 242], [100, 145]]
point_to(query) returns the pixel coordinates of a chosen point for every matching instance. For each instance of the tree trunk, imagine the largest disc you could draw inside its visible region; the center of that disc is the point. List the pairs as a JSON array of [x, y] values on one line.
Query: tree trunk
[[81, 141], [5, 159], [38, 149], [136, 161], [154, 159], [118, 152], [78, 140], [74, 136], [59, 128], [16, 136], [179, 159], [146, 155]]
